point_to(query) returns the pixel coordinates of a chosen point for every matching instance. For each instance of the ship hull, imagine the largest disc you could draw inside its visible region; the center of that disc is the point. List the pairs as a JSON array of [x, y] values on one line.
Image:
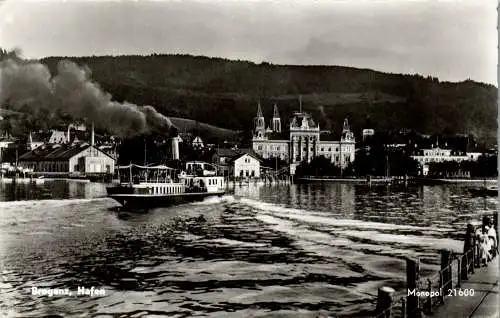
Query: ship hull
[[146, 201]]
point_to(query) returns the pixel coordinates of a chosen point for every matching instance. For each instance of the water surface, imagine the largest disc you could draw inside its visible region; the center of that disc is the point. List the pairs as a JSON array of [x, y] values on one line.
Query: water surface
[[262, 251]]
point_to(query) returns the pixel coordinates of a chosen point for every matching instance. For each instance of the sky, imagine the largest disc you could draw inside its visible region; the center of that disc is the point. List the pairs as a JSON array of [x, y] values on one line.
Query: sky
[[452, 40]]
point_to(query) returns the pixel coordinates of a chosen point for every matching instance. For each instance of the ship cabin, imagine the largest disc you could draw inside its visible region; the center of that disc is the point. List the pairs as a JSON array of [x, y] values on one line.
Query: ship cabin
[[202, 177], [153, 180], [198, 177]]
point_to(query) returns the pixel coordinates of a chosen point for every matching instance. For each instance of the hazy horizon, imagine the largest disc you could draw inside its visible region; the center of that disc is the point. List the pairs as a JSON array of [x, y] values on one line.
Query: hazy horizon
[[451, 40]]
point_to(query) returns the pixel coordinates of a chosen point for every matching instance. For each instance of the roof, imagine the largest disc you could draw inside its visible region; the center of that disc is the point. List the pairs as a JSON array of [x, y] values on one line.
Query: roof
[[236, 153], [300, 118], [249, 153], [56, 152]]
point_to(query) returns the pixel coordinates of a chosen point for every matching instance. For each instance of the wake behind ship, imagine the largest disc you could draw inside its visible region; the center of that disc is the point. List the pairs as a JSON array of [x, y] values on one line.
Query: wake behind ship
[[157, 186]]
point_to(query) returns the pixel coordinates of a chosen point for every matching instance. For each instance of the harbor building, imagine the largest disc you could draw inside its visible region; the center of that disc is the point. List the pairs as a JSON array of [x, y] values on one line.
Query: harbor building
[[245, 166], [302, 140], [64, 159], [229, 164]]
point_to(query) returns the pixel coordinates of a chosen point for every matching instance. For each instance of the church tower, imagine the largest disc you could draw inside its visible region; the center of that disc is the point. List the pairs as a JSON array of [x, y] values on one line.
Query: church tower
[[260, 125], [347, 135], [276, 120]]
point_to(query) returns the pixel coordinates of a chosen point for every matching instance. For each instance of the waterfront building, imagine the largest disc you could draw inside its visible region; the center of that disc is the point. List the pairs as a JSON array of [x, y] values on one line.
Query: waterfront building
[[245, 165], [433, 155], [224, 159], [74, 158], [301, 141], [64, 159]]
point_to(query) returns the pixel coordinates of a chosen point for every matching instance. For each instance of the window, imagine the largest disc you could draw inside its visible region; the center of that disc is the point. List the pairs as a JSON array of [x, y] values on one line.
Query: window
[[253, 173], [322, 149], [246, 173], [337, 149], [278, 148], [259, 147], [330, 149]]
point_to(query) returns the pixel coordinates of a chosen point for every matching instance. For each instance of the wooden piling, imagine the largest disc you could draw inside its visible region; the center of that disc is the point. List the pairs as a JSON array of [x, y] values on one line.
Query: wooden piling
[[403, 307], [412, 276], [446, 282], [384, 301]]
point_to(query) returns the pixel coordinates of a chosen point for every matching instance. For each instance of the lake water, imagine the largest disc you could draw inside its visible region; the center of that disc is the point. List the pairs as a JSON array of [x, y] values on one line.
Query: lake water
[[264, 251]]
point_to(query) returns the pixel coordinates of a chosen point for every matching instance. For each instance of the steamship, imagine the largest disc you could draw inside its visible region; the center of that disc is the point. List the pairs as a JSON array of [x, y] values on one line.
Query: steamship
[[155, 186]]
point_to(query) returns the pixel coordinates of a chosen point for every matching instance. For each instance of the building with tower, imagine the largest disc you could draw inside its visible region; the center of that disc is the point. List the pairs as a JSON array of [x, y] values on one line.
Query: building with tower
[[302, 140]]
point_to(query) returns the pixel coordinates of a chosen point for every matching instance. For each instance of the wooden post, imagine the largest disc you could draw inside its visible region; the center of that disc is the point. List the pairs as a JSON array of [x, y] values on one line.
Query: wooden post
[[384, 301], [473, 252], [429, 300], [403, 307], [459, 269], [412, 276], [446, 270]]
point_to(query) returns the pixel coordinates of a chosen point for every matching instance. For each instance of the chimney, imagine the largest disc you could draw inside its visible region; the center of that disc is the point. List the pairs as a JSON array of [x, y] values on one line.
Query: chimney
[[92, 135], [68, 134], [29, 146], [175, 148]]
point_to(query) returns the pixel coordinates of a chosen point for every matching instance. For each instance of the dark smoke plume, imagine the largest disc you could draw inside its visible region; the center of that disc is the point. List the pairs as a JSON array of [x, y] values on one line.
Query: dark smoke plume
[[30, 84]]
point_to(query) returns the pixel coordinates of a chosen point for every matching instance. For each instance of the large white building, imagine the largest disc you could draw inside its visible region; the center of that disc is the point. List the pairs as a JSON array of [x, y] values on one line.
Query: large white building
[[433, 155], [302, 141]]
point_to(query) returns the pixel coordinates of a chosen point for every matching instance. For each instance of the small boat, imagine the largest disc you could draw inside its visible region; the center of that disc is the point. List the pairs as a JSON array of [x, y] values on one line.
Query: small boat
[[156, 186], [491, 191]]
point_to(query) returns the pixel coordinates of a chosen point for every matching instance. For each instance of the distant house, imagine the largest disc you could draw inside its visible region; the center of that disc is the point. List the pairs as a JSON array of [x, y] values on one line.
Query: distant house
[[58, 137], [197, 142], [245, 166], [36, 140], [6, 141], [368, 133], [68, 159]]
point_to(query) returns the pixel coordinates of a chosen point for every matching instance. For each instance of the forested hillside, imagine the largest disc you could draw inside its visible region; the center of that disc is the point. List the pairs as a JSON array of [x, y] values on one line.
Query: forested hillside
[[224, 93]]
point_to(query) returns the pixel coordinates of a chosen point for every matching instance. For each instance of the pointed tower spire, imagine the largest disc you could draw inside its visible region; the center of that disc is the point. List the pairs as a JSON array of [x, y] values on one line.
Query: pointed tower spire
[[259, 110], [276, 113], [346, 126], [259, 119], [276, 123]]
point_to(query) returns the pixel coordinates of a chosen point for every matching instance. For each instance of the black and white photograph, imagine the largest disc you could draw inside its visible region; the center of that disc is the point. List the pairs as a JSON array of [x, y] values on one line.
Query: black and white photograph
[[249, 158]]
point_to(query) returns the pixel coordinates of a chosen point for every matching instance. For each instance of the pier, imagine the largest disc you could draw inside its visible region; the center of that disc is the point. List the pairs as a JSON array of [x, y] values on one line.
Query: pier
[[461, 288]]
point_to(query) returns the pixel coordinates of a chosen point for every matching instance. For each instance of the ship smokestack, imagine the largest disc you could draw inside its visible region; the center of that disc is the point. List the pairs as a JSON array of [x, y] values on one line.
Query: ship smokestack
[[175, 148], [92, 135]]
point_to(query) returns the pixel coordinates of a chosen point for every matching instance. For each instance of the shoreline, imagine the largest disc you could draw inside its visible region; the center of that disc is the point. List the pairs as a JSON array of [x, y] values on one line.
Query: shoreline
[[424, 181]]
